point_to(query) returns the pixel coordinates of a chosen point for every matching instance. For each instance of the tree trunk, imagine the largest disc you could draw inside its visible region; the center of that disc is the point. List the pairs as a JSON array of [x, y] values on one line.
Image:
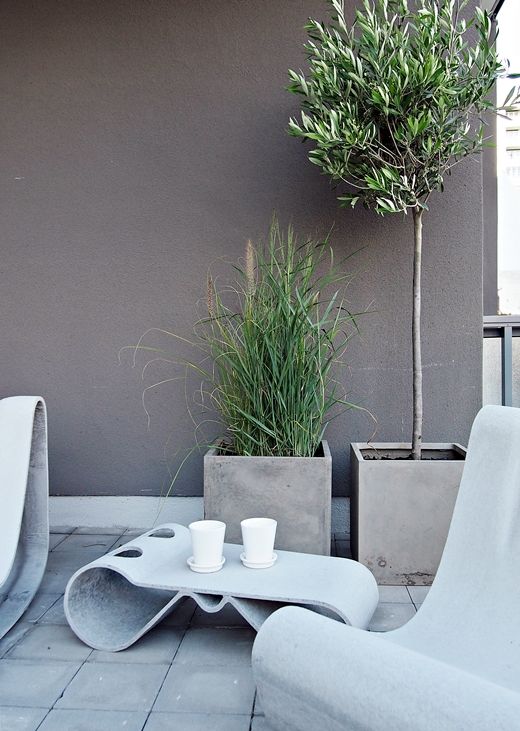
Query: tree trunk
[[416, 336]]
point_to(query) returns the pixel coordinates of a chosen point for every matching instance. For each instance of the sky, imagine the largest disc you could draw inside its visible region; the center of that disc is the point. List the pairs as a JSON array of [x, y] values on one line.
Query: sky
[[508, 46], [509, 33]]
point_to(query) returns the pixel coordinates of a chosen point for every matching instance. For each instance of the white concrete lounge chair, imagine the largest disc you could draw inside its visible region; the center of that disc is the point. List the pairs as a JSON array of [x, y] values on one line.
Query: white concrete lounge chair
[[456, 665], [24, 500]]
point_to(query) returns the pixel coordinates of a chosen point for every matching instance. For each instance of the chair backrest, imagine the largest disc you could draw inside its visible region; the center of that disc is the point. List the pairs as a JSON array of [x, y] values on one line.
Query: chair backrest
[[471, 616], [23, 440]]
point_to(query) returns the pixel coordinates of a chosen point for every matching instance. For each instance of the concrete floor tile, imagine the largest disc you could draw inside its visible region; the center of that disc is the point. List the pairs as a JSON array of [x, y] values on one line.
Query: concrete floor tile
[[114, 687], [394, 594], [136, 531], [212, 646], [182, 614], [207, 689], [78, 542], [157, 646], [14, 636], [34, 683], [39, 606], [54, 615], [101, 531], [227, 617], [55, 582], [62, 529], [260, 724], [127, 538], [50, 642], [257, 707], [61, 565], [55, 539], [75, 720], [391, 616], [21, 719], [196, 722], [73, 559], [418, 593]]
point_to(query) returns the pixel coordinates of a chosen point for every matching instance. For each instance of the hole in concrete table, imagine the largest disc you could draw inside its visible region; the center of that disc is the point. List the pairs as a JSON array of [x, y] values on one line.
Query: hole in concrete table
[[129, 553], [162, 533]]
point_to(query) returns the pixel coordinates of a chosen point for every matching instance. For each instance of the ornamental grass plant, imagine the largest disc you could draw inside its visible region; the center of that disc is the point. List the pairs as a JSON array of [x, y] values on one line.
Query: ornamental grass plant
[[272, 353], [269, 346]]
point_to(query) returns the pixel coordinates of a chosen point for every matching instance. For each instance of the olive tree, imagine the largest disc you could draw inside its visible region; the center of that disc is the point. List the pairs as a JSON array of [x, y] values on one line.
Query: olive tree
[[390, 104]]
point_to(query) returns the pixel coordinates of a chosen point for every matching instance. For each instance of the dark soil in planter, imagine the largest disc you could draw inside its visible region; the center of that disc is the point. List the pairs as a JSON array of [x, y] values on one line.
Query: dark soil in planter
[[224, 450], [449, 455]]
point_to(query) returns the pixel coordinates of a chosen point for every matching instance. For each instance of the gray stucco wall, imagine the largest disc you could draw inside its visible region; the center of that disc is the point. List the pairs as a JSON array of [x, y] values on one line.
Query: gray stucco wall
[[143, 140]]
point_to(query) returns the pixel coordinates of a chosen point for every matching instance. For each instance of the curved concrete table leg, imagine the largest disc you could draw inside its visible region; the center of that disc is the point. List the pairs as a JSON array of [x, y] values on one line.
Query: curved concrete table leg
[[24, 496], [107, 612], [116, 599]]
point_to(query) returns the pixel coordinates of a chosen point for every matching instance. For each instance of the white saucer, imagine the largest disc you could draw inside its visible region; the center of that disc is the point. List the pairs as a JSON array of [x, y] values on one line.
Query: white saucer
[[205, 569], [254, 565]]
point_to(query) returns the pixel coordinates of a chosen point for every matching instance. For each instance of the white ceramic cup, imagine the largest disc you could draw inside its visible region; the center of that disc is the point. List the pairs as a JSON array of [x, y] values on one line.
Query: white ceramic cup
[[207, 541], [258, 536]]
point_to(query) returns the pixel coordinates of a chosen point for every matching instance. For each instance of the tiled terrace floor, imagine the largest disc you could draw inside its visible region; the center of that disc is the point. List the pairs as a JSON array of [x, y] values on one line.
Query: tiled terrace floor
[[191, 673]]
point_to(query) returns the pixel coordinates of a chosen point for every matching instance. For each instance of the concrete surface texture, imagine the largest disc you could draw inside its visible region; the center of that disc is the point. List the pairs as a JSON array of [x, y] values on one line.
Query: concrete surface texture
[[295, 491], [24, 500], [143, 141], [51, 681], [402, 510]]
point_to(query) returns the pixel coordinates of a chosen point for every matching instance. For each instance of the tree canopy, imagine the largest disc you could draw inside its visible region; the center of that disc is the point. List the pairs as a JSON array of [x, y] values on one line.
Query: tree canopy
[[392, 102]]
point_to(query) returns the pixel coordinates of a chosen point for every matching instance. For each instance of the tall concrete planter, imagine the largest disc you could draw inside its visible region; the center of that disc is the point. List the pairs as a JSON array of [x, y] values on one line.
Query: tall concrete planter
[[295, 491], [401, 508]]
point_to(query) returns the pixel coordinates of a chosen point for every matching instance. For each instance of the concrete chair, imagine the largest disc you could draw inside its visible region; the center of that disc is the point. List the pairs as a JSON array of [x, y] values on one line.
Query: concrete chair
[[456, 664], [24, 500]]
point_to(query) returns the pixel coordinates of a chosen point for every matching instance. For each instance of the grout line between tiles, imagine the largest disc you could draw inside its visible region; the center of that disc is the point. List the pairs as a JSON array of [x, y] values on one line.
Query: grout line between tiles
[[64, 535], [167, 672], [43, 719], [65, 688]]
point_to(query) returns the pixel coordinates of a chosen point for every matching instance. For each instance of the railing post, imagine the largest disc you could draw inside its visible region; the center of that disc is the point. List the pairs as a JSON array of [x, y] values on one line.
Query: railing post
[[507, 365], [505, 327]]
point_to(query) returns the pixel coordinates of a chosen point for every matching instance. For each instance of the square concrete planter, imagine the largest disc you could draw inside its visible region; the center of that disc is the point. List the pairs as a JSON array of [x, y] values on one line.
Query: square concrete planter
[[295, 491], [401, 509]]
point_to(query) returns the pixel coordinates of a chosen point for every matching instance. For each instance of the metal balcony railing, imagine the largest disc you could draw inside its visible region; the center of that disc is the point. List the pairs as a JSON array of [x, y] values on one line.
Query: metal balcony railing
[[502, 360]]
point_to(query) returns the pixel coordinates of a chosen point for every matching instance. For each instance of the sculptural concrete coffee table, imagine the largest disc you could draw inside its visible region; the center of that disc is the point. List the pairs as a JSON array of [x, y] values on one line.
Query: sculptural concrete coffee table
[[113, 601]]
